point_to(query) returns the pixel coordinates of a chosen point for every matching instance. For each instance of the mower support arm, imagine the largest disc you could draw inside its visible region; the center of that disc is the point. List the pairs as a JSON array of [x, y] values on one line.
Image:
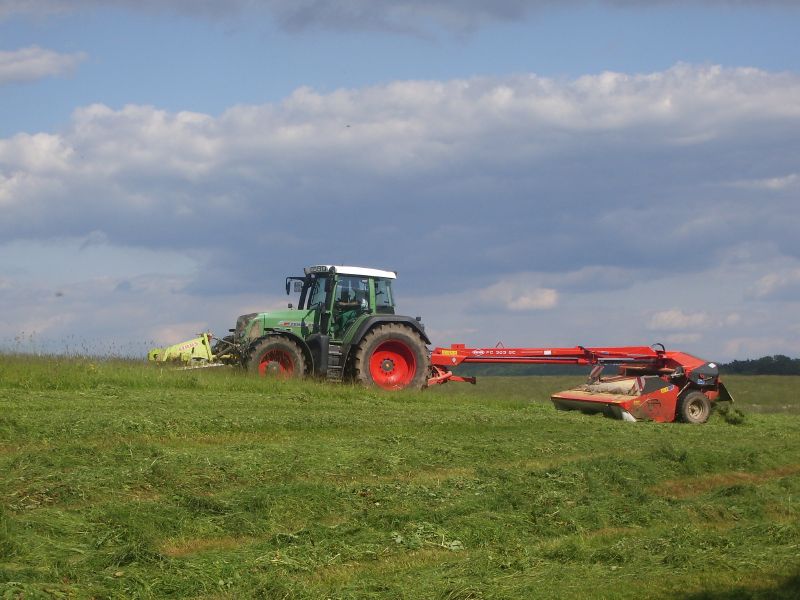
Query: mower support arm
[[633, 358]]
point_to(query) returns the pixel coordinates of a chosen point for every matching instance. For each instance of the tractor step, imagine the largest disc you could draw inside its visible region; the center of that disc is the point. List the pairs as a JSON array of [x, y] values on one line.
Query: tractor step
[[335, 366]]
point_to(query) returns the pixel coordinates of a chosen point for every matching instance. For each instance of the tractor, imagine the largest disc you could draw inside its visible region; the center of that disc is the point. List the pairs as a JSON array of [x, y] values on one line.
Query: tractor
[[344, 328]]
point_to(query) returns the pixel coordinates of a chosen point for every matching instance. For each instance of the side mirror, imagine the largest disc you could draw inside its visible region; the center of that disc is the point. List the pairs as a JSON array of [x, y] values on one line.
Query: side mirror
[[298, 284]]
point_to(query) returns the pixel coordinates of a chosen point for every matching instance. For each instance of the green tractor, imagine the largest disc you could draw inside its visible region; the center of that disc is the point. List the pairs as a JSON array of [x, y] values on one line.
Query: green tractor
[[344, 328]]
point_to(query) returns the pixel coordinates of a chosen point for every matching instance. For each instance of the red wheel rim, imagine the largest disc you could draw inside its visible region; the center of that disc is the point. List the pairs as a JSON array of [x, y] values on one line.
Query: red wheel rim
[[392, 365], [276, 363]]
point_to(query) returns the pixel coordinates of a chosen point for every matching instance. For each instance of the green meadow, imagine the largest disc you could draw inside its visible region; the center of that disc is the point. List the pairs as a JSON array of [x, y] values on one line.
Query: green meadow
[[123, 480]]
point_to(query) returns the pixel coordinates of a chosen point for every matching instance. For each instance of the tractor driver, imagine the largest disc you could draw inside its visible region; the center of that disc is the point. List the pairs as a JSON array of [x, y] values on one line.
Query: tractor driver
[[351, 301]]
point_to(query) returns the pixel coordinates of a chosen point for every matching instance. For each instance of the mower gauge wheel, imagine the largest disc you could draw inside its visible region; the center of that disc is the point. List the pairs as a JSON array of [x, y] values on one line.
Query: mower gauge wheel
[[694, 407]]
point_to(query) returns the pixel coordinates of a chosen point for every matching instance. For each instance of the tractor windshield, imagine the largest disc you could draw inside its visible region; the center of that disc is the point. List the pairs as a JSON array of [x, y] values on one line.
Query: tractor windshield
[[384, 302], [317, 293]]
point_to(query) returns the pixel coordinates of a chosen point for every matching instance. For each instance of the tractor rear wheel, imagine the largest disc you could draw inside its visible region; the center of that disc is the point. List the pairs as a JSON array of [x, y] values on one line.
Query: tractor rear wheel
[[393, 357], [694, 407], [276, 356]]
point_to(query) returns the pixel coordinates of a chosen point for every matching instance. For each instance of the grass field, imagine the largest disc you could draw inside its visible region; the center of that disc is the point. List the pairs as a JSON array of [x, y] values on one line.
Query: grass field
[[121, 480]]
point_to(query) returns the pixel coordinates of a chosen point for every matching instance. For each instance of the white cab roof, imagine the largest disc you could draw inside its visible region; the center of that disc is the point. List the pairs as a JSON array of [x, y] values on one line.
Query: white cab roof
[[345, 270]]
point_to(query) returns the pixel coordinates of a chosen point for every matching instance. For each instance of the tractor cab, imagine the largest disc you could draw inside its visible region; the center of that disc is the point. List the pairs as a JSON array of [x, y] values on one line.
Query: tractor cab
[[336, 297]]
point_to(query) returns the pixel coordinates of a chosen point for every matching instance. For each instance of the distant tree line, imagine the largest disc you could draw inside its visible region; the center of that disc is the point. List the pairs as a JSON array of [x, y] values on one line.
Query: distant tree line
[[766, 365], [512, 370]]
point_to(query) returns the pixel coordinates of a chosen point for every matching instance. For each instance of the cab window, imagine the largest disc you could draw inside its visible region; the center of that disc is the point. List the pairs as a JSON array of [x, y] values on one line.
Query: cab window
[[384, 302], [351, 299], [352, 292], [316, 294]]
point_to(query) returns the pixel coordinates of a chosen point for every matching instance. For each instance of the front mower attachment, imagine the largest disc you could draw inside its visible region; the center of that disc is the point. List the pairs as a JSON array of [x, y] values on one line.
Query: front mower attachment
[[194, 352]]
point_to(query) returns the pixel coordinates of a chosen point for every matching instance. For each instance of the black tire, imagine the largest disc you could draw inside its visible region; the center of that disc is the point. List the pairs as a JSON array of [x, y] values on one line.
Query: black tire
[[693, 407], [276, 356], [391, 356]]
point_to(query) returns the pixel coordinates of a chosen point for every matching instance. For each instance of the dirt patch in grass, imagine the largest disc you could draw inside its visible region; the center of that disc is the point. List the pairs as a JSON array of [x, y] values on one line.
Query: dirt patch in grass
[[382, 565], [143, 495], [214, 439], [429, 475], [696, 486], [612, 532], [180, 548]]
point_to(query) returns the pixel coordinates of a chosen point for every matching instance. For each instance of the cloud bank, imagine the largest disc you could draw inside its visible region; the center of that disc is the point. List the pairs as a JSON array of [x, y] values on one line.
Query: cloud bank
[[621, 157], [347, 15], [523, 196], [33, 62]]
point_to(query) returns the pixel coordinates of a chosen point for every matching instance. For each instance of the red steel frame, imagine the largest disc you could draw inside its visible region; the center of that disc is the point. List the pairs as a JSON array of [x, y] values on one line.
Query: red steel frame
[[444, 359]]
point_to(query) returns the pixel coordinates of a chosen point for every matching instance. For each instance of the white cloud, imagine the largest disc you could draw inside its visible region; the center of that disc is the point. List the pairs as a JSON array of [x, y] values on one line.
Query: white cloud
[[100, 316], [675, 319], [517, 296], [683, 338], [779, 285], [678, 320], [771, 183], [33, 62], [760, 345]]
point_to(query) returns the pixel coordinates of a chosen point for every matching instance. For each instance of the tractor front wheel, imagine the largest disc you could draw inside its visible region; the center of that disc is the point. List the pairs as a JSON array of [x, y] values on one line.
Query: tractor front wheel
[[392, 357], [694, 407], [276, 357]]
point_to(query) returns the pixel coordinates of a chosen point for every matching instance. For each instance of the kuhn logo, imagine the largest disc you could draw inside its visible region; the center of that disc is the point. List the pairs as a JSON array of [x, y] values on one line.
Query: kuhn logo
[[479, 352]]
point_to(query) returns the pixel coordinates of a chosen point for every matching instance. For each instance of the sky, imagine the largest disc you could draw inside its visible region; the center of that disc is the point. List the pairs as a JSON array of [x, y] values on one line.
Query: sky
[[538, 172]]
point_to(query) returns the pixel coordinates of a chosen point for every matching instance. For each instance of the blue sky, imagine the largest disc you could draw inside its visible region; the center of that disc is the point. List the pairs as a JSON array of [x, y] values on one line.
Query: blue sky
[[538, 172]]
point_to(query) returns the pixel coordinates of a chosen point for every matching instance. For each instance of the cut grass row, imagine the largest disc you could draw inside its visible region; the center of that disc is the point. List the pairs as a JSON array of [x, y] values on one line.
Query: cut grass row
[[120, 480]]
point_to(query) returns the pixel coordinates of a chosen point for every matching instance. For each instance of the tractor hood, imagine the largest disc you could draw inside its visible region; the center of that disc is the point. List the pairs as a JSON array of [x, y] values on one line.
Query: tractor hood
[[254, 325]]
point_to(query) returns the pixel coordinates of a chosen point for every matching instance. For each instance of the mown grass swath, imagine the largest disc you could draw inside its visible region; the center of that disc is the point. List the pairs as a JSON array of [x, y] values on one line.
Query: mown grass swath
[[123, 480]]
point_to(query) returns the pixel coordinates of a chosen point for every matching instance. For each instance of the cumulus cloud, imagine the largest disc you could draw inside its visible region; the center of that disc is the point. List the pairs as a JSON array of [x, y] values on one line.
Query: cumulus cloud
[[516, 295], [33, 62], [400, 15]]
